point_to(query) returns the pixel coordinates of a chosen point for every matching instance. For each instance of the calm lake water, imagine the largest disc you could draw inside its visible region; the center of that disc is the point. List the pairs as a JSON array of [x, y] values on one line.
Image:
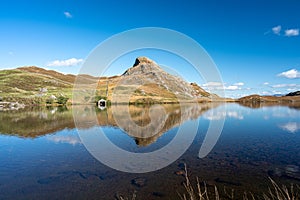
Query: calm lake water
[[43, 157]]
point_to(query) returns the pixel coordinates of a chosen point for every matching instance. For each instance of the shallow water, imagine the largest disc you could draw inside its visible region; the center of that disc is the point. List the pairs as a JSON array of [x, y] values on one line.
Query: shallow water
[[42, 155]]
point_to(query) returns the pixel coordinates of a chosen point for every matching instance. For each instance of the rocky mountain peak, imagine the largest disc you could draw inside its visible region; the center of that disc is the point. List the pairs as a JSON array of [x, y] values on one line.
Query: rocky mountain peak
[[143, 60], [142, 65]]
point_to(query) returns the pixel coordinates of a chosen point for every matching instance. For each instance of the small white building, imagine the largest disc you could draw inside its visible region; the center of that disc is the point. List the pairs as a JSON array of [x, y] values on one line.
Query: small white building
[[102, 104]]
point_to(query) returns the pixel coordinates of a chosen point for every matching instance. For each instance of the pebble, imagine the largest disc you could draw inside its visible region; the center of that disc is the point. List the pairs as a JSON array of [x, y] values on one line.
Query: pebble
[[180, 172]]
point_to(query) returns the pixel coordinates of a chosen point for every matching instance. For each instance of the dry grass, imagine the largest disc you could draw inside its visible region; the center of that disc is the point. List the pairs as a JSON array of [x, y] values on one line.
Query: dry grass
[[275, 192], [199, 192], [282, 192]]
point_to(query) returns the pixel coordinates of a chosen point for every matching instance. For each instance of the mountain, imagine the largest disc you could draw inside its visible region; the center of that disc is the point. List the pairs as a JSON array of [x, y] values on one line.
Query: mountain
[[145, 81]]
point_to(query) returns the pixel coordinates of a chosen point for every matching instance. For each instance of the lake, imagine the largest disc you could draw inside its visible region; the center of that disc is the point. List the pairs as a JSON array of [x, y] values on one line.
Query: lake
[[43, 152]]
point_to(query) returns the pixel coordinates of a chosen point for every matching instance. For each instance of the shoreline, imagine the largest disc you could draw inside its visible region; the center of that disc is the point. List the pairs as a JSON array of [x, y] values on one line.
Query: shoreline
[[251, 103]]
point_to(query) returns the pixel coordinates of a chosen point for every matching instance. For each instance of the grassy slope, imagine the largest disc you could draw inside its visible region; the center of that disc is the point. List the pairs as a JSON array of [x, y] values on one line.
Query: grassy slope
[[24, 85], [143, 92]]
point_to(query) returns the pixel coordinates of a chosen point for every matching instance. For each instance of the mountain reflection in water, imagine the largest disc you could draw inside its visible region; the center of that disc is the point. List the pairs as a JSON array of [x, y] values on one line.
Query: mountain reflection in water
[[38, 121]]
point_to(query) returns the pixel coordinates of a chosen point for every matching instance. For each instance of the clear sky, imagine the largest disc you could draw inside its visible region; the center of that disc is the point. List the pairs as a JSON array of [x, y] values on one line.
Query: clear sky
[[254, 43]]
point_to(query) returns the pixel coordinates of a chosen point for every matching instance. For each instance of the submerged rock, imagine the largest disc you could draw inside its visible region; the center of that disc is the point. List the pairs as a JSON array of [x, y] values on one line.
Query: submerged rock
[[158, 194], [289, 172], [139, 182], [228, 182]]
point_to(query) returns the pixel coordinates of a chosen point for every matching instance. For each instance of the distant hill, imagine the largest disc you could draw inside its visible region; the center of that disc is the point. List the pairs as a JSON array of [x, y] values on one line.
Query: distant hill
[[258, 98], [257, 101]]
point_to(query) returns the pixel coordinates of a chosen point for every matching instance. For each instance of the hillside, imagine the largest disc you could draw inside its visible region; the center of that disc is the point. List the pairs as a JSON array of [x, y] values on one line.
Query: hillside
[[31, 85], [34, 85]]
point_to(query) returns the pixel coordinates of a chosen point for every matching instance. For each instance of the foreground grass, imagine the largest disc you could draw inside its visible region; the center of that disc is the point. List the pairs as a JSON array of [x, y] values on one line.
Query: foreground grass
[[282, 193], [275, 192], [200, 192]]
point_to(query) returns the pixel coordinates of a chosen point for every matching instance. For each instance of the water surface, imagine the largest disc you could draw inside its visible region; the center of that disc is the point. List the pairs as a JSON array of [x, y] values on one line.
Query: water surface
[[42, 156]]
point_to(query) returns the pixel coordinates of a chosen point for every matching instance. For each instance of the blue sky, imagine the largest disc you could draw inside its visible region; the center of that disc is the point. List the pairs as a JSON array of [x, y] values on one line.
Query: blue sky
[[255, 44]]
